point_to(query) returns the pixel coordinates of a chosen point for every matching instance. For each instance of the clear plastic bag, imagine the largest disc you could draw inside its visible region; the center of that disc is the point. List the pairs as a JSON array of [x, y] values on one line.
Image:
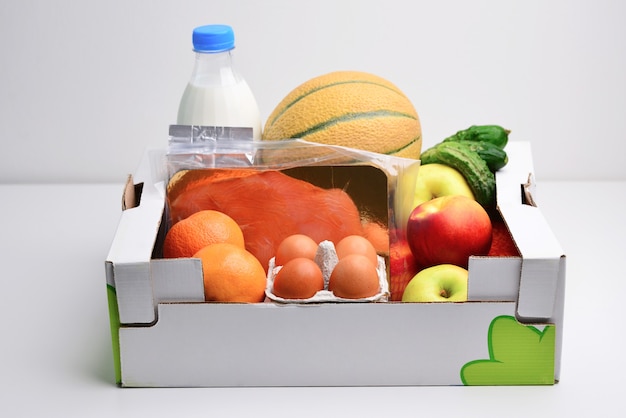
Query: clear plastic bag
[[201, 148], [276, 188]]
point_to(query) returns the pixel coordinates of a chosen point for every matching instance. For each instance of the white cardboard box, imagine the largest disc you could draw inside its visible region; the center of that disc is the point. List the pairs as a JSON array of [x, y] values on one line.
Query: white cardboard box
[[164, 334]]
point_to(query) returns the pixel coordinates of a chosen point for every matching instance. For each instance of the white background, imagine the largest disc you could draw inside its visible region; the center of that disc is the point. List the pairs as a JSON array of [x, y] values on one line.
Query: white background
[[87, 86]]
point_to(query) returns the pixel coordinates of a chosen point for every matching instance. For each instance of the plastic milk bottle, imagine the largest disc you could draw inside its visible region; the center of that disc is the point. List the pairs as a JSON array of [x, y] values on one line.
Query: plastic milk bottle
[[217, 95]]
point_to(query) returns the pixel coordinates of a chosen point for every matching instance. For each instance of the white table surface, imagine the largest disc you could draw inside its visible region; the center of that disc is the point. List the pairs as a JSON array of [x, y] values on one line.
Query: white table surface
[[56, 349]]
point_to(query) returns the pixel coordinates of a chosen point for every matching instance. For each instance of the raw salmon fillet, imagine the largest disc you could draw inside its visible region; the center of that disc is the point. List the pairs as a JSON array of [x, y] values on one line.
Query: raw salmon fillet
[[269, 206]]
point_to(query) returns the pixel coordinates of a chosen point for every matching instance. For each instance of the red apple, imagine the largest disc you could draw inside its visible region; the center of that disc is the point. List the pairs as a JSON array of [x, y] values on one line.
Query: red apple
[[402, 268], [447, 230]]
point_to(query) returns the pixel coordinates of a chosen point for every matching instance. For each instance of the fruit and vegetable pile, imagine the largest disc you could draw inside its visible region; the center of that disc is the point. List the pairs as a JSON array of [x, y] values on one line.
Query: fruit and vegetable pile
[[452, 217], [264, 235]]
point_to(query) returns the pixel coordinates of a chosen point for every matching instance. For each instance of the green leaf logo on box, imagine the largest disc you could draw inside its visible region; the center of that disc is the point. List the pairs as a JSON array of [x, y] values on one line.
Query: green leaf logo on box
[[518, 355]]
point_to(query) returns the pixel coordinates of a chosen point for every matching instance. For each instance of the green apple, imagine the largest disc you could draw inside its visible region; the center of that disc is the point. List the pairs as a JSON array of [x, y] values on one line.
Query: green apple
[[436, 180], [423, 183], [440, 283]]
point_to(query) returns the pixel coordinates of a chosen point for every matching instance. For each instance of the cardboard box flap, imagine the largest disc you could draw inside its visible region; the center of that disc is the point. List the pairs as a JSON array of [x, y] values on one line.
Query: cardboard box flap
[[177, 280], [541, 261], [131, 250], [541, 252], [511, 178]]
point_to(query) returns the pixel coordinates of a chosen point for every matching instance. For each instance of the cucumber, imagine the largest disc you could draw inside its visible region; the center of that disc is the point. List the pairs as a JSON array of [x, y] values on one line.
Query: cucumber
[[494, 156], [475, 170], [493, 134]]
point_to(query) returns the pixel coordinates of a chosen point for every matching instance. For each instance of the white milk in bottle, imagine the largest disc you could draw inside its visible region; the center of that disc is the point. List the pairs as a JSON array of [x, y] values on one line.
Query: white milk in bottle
[[217, 95]]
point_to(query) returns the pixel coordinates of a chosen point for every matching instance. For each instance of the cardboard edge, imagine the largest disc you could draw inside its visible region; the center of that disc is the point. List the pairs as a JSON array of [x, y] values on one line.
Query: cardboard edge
[[539, 249], [127, 264]]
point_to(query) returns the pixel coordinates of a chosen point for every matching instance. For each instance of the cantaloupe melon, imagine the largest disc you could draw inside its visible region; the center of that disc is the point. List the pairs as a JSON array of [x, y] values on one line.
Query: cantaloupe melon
[[352, 109]]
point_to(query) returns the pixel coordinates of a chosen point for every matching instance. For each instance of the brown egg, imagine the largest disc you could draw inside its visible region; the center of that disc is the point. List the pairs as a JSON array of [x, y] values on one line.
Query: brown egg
[[299, 278], [354, 277], [294, 246], [356, 244]]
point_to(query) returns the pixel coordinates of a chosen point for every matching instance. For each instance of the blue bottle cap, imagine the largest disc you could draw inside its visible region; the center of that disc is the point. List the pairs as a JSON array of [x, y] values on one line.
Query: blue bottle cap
[[213, 38]]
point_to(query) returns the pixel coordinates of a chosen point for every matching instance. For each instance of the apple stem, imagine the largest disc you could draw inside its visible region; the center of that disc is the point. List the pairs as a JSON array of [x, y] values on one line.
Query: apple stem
[[443, 293]]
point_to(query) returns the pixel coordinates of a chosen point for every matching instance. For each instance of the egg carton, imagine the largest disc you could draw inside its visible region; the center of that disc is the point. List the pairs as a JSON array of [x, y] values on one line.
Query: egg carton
[[326, 258]]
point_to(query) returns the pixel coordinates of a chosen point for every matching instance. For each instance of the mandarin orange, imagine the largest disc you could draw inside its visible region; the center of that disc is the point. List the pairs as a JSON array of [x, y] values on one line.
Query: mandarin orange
[[198, 230], [231, 274]]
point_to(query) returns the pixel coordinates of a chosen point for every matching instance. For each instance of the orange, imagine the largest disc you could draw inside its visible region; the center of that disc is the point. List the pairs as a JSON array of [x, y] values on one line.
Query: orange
[[299, 278], [231, 274], [354, 277], [349, 108], [200, 229]]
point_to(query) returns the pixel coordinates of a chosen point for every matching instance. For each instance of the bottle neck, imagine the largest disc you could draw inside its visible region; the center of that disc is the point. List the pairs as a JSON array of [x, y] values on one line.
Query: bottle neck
[[214, 69]]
